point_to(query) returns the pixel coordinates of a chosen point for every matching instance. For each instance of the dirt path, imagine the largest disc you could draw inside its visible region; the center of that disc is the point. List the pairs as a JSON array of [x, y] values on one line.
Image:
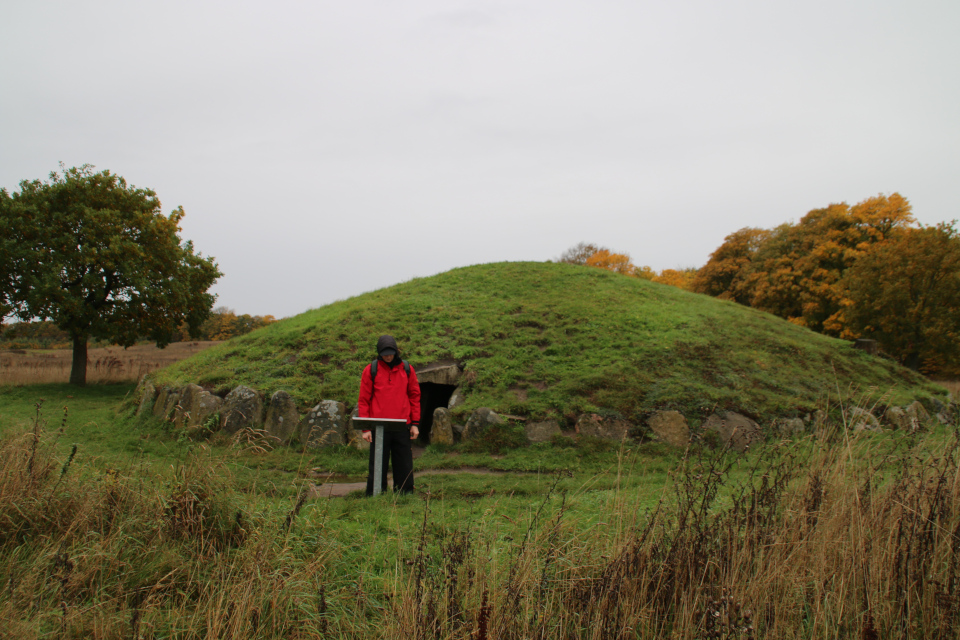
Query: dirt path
[[340, 489]]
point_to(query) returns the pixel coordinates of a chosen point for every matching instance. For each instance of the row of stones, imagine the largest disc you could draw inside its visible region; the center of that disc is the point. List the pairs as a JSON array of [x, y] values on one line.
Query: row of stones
[[327, 424], [739, 431], [912, 417], [193, 407]]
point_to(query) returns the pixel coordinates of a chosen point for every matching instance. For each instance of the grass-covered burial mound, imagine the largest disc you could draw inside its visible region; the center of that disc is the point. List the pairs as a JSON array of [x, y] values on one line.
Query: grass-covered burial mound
[[552, 341]]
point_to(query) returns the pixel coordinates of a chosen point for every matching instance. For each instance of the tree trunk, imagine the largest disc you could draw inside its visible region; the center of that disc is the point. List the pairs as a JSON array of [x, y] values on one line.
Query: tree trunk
[[78, 372]]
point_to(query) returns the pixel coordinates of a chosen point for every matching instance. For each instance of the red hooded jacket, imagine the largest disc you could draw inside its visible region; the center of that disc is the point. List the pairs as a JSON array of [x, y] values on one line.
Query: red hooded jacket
[[394, 394]]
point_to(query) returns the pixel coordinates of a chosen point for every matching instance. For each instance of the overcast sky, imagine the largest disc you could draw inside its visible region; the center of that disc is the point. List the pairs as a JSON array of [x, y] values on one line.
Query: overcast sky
[[325, 149]]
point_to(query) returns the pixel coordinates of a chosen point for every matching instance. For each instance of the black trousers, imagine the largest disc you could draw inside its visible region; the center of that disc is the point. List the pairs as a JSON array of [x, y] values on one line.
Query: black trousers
[[396, 448]]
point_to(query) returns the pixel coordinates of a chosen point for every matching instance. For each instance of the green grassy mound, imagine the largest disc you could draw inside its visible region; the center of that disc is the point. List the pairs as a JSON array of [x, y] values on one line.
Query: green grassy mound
[[546, 340]]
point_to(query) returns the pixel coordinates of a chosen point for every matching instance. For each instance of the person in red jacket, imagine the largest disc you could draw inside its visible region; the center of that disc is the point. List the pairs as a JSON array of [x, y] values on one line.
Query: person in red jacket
[[393, 393]]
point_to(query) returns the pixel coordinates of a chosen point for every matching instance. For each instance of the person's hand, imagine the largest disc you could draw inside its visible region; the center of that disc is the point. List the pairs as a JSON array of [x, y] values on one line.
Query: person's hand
[[414, 432], [367, 435]]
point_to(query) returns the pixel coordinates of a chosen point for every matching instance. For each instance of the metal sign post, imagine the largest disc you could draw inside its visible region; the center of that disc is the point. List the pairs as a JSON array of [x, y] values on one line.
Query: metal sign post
[[381, 425]]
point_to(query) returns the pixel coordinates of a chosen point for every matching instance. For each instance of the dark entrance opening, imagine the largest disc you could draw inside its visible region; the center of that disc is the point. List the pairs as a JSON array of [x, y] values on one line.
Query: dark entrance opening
[[432, 395]]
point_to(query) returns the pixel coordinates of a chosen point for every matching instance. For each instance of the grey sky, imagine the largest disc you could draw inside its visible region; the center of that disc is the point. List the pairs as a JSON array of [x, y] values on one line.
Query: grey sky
[[325, 149]]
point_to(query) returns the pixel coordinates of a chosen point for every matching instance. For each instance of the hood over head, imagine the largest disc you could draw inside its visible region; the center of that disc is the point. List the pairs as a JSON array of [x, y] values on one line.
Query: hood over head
[[387, 342]]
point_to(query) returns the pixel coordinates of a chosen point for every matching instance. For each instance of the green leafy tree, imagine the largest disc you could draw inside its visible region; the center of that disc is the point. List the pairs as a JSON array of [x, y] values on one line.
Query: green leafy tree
[[7, 245], [98, 258], [905, 294]]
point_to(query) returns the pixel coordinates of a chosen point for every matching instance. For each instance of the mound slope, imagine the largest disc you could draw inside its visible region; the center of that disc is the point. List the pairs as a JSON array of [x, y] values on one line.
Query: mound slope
[[547, 340]]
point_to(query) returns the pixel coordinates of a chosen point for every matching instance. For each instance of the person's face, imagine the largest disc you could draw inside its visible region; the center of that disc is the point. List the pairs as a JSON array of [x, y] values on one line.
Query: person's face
[[388, 358]]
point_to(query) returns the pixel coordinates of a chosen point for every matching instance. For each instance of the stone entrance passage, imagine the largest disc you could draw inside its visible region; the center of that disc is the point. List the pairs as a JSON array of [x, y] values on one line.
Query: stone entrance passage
[[438, 381]]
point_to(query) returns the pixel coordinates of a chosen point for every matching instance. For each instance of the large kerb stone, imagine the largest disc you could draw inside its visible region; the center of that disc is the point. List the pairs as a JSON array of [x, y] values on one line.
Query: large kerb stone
[[441, 432], [170, 405], [282, 419], [195, 407], [324, 425], [480, 422], [188, 395], [241, 409], [788, 426], [863, 420], [456, 399], [734, 429], [896, 417], [670, 427], [165, 403], [608, 428], [204, 407], [543, 431], [148, 395], [917, 415]]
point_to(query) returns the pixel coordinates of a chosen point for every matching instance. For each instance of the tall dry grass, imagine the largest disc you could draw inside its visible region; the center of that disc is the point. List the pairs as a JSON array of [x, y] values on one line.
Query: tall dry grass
[[104, 365], [837, 536], [834, 538], [104, 556]]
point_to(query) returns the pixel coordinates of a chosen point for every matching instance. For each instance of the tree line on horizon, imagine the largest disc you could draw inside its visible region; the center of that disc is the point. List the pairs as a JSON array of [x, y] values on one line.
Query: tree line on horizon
[[222, 324], [862, 271]]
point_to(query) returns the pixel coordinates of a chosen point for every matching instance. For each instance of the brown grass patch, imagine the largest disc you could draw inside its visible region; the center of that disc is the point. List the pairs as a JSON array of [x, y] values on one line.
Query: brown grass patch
[[953, 386], [104, 365]]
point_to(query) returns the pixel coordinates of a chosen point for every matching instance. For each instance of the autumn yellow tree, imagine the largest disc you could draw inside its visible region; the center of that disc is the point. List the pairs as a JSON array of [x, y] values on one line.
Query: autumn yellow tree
[[800, 266], [794, 270], [616, 262], [729, 270], [591, 255], [680, 278], [224, 323], [644, 273], [905, 293]]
